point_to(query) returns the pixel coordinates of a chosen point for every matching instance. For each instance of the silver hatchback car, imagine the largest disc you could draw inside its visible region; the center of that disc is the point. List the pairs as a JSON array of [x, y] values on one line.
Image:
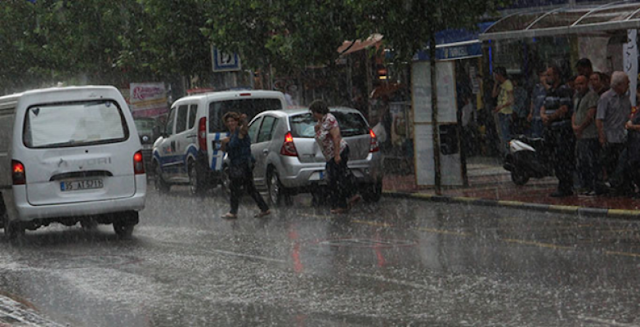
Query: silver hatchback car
[[289, 161]]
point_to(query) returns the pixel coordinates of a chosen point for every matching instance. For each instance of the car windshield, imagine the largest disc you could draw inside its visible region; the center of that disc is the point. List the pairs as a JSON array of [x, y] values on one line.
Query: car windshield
[[351, 124], [74, 124]]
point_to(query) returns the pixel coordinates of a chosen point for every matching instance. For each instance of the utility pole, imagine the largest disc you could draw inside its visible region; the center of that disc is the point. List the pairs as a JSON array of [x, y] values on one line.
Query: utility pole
[[434, 115]]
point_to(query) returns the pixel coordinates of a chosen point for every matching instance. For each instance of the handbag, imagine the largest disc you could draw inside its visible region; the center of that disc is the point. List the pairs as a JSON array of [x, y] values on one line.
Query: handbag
[[237, 172]]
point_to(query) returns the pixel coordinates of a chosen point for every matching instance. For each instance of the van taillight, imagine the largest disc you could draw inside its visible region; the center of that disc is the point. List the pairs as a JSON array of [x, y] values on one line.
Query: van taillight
[[138, 163], [202, 133], [374, 142], [18, 174], [288, 148]]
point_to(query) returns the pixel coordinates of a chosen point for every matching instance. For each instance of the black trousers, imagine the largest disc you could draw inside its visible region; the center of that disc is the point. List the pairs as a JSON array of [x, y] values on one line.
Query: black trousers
[[610, 158], [562, 141], [236, 187], [588, 156], [339, 183]]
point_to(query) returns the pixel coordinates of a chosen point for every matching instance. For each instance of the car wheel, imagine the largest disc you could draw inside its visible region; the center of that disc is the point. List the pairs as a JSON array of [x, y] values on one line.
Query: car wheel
[[196, 185], [519, 177], [123, 230], [277, 192], [160, 184], [372, 192], [225, 182]]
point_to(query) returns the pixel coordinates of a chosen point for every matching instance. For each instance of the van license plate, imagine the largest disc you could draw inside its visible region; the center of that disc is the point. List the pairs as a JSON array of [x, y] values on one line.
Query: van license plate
[[81, 185]]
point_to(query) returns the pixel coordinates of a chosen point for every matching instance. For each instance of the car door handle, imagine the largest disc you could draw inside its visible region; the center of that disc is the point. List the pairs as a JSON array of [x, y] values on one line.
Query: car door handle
[[191, 136], [265, 152]]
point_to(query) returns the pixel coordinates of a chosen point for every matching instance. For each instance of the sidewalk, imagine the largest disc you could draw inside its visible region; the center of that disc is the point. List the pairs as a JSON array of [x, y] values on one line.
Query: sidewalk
[[490, 184], [21, 314]]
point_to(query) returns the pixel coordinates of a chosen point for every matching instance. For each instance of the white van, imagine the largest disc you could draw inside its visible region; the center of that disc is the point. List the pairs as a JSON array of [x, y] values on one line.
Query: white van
[[188, 150], [69, 155]]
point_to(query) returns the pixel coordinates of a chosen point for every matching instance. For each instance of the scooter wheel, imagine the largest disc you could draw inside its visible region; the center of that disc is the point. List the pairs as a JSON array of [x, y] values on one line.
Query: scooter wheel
[[519, 178]]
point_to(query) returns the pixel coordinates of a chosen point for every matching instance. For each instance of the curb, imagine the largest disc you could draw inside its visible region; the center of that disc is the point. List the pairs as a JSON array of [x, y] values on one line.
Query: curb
[[580, 211]]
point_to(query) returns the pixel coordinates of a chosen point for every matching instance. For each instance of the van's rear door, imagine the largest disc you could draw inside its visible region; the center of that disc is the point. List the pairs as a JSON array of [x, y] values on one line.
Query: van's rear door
[[77, 152], [7, 118]]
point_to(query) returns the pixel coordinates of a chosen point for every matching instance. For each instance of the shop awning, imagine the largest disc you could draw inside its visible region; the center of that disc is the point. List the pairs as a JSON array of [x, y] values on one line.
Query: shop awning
[[566, 20], [348, 47], [453, 44]]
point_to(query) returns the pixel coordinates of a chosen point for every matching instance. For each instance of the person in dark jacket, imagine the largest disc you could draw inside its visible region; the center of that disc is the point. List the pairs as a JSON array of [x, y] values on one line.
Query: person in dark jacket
[[556, 116], [238, 147]]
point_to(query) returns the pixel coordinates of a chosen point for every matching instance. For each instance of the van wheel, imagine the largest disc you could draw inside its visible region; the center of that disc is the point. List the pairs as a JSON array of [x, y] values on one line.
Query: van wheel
[[124, 224], [12, 230], [160, 184], [277, 192], [372, 192], [123, 230], [196, 185]]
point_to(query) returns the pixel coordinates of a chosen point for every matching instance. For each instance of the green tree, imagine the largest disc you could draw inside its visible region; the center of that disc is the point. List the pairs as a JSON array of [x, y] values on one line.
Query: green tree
[[286, 34]]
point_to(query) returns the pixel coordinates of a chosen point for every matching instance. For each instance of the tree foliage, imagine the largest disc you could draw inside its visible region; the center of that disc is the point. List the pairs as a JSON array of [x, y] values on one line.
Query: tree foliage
[[123, 40]]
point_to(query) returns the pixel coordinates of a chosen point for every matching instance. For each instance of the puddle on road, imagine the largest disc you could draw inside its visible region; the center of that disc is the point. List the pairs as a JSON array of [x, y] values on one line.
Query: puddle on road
[[367, 242], [66, 261]]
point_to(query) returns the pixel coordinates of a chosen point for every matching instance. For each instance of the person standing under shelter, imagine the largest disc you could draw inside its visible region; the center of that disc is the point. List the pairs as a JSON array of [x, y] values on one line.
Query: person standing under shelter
[[614, 108], [537, 101], [520, 124], [556, 115], [585, 102], [597, 81], [584, 67], [503, 90]]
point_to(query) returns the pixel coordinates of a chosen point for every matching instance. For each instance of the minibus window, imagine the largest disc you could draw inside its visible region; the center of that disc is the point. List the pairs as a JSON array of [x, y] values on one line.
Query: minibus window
[[74, 124], [249, 107]]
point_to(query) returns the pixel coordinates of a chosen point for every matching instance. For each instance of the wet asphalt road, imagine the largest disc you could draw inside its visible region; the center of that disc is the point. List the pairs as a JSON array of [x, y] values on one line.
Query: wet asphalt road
[[395, 263]]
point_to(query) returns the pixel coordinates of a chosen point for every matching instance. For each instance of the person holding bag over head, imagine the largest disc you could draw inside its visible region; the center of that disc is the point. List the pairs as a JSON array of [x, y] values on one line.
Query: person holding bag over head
[[336, 152], [238, 147]]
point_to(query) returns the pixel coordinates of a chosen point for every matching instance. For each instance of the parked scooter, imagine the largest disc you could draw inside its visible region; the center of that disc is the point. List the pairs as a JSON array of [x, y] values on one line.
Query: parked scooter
[[528, 157]]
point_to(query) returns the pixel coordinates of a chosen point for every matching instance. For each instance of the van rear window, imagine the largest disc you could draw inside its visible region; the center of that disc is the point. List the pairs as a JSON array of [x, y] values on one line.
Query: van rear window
[[250, 107], [351, 124], [74, 124]]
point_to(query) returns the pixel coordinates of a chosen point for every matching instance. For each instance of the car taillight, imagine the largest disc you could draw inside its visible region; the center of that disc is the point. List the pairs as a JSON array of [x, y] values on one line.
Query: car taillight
[[374, 142], [18, 175], [138, 163], [288, 148], [202, 134]]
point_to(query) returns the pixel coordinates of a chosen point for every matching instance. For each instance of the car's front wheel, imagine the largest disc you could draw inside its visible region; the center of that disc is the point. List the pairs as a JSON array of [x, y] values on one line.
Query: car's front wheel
[[225, 181]]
